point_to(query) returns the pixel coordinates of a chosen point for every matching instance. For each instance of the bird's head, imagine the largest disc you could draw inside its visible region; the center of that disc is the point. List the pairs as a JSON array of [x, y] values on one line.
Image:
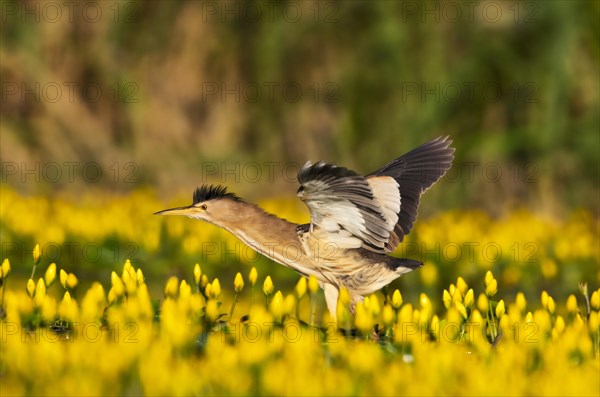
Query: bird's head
[[210, 203]]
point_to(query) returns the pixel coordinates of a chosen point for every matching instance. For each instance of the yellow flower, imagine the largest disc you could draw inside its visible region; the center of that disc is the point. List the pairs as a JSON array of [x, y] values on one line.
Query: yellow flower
[[388, 314], [447, 299], [197, 274], [171, 287], [238, 283], [253, 276], [482, 303], [5, 268], [572, 304], [396, 299], [212, 310], [50, 274], [276, 305], [204, 282], [362, 318], [595, 300], [461, 285], [313, 284], [488, 277], [500, 309], [118, 287], [469, 298], [63, 278], [268, 286], [461, 309], [139, 276], [551, 305], [36, 253], [301, 287], [40, 292], [544, 299], [185, 291], [491, 288], [30, 288], [72, 281], [216, 288], [520, 302]]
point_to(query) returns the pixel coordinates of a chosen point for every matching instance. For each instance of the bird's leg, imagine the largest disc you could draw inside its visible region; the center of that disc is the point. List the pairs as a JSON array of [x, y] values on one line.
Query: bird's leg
[[331, 297]]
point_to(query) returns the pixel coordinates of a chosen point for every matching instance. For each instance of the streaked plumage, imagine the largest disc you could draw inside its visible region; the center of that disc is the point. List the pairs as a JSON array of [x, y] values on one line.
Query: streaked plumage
[[355, 220]]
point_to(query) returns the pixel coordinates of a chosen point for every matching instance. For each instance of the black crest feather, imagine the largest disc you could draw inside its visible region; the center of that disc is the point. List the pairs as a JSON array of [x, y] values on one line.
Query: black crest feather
[[209, 192]]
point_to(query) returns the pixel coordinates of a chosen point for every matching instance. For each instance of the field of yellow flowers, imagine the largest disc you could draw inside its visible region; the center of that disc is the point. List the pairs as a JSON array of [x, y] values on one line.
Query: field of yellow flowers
[[501, 307]]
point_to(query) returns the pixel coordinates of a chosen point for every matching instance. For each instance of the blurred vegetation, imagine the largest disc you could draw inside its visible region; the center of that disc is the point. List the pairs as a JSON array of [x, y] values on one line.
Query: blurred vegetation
[[518, 89]]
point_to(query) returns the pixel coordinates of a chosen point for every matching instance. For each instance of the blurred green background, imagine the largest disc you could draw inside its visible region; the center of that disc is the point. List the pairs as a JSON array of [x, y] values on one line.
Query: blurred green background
[[117, 96]]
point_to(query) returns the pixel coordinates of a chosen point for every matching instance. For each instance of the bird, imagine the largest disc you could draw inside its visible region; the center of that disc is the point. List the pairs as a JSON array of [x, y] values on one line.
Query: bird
[[356, 221]]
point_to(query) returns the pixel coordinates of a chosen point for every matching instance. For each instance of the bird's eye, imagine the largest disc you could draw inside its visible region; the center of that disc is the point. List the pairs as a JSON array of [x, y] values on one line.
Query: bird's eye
[[203, 206]]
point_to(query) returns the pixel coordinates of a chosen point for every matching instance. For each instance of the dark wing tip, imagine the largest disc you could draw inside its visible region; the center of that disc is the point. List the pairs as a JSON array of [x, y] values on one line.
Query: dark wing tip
[[209, 192], [323, 171]]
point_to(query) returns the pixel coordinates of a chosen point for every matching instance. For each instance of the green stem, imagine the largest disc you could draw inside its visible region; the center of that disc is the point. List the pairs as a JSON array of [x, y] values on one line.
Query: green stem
[[492, 323], [312, 310], [235, 299], [33, 270]]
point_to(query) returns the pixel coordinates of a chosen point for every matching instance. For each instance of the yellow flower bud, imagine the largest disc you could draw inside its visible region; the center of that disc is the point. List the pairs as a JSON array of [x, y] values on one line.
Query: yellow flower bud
[[301, 287], [593, 322], [276, 306], [313, 284], [238, 283], [185, 291], [544, 299], [469, 298], [388, 314], [208, 291], [424, 301], [63, 278], [118, 287], [529, 317], [488, 277], [362, 318], [268, 286], [483, 303], [572, 304], [36, 253], [559, 324], [139, 276], [373, 305], [50, 274], [40, 292], [447, 299], [171, 287], [216, 288], [212, 310], [253, 276], [551, 305], [30, 288], [197, 274], [491, 288], [204, 281], [595, 300], [72, 281], [396, 300], [452, 289], [5, 268], [461, 285], [520, 302], [500, 309], [344, 297], [289, 304], [461, 309]]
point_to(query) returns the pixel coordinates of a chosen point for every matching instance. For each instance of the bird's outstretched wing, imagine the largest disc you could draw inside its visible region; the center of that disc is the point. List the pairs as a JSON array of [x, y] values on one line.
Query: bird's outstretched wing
[[342, 207], [377, 211], [414, 173]]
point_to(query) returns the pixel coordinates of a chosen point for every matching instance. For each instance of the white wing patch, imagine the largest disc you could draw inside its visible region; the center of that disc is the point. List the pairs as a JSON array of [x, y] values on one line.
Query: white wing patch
[[387, 195]]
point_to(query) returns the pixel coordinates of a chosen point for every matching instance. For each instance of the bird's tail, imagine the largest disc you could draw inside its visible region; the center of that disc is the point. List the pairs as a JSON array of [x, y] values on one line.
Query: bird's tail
[[402, 265]]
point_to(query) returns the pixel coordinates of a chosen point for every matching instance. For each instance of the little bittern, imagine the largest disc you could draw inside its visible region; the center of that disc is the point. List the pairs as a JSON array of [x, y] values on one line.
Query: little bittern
[[355, 220]]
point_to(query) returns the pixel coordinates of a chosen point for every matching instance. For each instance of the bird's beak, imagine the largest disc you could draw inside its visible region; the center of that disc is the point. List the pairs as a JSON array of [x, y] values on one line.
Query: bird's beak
[[187, 210]]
